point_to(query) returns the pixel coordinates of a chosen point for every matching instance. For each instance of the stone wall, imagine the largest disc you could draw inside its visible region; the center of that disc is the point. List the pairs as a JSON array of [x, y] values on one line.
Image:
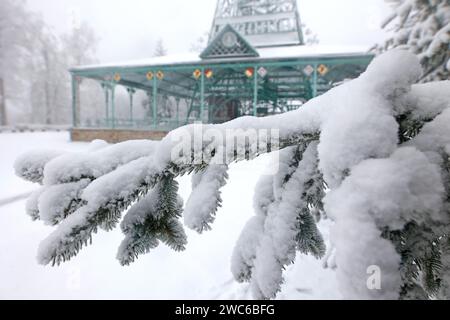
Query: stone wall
[[114, 136]]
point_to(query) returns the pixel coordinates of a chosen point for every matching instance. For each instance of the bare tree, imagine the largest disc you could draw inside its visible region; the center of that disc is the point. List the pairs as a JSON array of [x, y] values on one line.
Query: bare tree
[[160, 49], [80, 48], [16, 45], [3, 119]]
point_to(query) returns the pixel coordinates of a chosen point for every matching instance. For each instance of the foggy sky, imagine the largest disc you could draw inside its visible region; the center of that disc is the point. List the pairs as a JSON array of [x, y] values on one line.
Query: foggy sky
[[129, 29]]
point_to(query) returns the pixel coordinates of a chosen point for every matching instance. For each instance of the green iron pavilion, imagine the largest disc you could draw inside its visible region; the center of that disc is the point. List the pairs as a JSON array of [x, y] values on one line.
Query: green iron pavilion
[[256, 63]]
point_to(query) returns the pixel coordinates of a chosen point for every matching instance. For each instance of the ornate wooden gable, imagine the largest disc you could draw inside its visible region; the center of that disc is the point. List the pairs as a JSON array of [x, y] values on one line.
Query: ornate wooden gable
[[228, 43]]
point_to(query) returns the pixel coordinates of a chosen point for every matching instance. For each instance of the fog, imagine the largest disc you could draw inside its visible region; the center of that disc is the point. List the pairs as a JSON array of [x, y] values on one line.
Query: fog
[[130, 29]]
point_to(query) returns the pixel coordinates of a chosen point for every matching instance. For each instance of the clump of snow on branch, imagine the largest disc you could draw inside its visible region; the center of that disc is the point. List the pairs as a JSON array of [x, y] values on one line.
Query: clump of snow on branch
[[427, 100], [127, 182], [205, 198], [283, 224], [385, 193], [364, 106], [32, 204], [435, 135], [58, 201], [141, 225], [277, 247], [30, 166], [99, 161]]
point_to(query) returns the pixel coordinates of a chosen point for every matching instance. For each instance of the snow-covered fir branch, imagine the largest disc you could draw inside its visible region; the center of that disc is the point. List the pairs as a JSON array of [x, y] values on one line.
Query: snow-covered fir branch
[[423, 27], [380, 144]]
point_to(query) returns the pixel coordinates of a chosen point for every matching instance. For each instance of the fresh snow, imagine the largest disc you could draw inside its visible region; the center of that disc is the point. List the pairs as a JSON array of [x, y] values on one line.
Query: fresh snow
[[427, 100], [423, 27], [323, 51], [277, 243], [201, 206], [384, 192], [366, 106], [95, 274], [374, 182], [95, 162]]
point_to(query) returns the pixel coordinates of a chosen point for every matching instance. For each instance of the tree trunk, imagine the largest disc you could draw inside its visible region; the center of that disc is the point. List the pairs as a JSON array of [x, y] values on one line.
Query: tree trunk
[[3, 119], [48, 107]]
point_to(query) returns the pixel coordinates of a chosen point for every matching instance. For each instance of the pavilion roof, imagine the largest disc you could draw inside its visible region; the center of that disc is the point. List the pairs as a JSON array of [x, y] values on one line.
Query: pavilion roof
[[268, 53]]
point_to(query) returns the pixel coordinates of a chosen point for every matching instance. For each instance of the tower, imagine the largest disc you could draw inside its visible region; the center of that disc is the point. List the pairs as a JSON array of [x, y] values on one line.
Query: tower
[[263, 23]]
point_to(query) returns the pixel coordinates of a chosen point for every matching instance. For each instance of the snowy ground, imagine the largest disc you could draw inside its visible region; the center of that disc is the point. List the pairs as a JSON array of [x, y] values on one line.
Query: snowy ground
[[201, 272]]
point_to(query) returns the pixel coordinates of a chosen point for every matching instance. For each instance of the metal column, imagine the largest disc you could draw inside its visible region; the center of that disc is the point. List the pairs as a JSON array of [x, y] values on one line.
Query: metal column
[[178, 112], [113, 106], [106, 89], [255, 92], [315, 81], [155, 92], [131, 93], [202, 96], [74, 101]]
